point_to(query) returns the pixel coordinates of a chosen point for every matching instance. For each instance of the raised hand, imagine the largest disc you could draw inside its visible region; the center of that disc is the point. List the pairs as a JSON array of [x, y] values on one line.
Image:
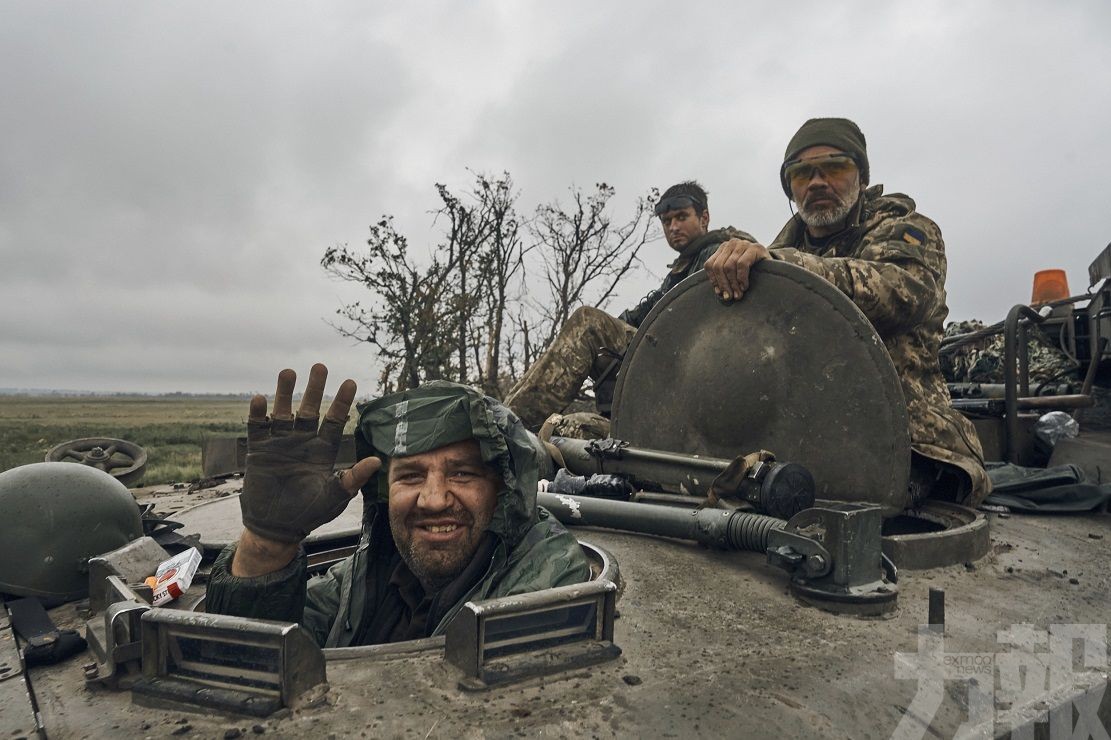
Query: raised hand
[[289, 487]]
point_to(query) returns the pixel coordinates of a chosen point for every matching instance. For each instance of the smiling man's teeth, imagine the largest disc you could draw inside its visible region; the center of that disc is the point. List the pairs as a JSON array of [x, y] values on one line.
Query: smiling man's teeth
[[442, 527]]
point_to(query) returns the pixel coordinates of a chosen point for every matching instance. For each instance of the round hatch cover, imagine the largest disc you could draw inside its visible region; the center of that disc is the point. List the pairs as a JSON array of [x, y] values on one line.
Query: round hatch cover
[[794, 368]]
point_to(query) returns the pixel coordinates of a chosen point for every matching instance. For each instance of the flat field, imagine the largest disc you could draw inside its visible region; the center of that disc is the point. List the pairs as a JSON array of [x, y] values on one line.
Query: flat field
[[171, 428]]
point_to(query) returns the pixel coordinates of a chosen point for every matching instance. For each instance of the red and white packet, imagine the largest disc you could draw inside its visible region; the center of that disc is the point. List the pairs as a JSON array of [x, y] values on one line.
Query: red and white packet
[[174, 576]]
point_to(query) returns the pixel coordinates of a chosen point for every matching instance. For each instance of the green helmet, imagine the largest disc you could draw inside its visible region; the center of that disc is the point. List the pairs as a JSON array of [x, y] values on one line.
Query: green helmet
[[56, 516]]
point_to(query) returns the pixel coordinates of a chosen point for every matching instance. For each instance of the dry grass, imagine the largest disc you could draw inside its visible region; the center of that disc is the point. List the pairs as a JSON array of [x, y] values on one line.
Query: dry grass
[[171, 428]]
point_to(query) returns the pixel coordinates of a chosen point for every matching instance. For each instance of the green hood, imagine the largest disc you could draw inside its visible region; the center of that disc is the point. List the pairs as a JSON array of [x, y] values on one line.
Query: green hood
[[442, 413]]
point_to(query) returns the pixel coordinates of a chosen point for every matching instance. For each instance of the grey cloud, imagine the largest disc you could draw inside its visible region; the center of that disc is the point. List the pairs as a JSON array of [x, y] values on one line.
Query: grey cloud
[[171, 173]]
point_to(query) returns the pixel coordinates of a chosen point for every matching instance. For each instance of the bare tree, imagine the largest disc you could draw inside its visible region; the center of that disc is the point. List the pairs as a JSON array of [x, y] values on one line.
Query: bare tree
[[464, 237], [500, 264], [445, 320], [407, 316], [464, 317], [585, 254], [485, 255]]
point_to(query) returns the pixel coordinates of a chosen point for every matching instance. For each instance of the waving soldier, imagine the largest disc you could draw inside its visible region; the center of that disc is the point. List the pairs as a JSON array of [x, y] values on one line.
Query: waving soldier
[[449, 481]]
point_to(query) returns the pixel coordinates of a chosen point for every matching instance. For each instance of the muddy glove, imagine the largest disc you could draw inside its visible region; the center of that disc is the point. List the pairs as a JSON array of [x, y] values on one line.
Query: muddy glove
[[758, 482], [289, 488]]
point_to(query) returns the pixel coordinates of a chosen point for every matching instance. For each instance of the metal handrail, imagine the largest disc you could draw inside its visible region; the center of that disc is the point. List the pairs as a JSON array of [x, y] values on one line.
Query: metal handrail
[[1018, 318], [1010, 373]]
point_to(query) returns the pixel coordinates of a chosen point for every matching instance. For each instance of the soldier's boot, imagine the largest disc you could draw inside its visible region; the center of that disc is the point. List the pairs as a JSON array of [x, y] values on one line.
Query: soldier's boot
[[554, 380]]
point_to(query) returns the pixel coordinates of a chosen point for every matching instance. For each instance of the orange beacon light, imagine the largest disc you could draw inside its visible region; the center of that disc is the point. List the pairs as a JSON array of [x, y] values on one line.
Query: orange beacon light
[[1049, 286]]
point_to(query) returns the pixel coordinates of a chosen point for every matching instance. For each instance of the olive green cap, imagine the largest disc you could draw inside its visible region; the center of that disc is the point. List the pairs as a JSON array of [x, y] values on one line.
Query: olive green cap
[[837, 132]]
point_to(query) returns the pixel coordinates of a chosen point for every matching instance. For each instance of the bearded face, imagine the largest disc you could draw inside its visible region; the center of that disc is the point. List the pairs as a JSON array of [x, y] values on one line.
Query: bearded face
[[827, 207], [825, 185], [440, 504]]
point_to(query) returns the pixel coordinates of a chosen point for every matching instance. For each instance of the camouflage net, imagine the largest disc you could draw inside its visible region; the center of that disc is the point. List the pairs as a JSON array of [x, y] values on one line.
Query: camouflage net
[[981, 359]]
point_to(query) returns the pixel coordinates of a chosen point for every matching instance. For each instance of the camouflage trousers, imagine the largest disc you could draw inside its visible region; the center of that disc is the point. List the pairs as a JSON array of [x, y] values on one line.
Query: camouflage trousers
[[555, 379]]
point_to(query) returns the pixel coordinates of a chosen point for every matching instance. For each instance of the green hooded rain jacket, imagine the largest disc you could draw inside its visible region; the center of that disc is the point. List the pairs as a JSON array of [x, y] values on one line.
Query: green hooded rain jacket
[[531, 549]]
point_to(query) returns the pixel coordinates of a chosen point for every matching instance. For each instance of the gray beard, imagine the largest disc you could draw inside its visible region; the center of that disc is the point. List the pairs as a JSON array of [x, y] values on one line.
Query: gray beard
[[831, 216]]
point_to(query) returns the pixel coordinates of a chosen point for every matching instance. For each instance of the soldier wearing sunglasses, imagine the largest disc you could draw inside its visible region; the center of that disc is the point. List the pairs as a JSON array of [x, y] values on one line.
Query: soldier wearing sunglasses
[[591, 342], [890, 260]]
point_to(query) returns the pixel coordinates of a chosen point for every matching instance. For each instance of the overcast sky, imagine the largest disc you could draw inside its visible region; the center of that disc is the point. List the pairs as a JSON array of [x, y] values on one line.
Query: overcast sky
[[170, 173]]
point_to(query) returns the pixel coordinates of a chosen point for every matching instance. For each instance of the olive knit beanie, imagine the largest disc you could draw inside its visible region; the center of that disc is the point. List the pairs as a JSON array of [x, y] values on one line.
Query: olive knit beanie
[[837, 132]]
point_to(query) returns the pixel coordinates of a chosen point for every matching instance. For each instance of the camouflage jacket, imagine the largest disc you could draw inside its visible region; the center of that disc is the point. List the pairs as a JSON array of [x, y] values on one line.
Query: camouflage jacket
[[532, 551], [890, 261], [686, 264]]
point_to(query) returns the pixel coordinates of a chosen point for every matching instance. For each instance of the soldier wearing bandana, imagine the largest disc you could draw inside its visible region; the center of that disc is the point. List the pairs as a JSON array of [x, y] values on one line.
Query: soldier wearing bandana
[[890, 260], [592, 342], [449, 480]]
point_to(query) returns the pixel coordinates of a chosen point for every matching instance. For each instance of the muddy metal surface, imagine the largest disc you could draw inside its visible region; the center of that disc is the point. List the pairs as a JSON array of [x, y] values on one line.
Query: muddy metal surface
[[713, 645]]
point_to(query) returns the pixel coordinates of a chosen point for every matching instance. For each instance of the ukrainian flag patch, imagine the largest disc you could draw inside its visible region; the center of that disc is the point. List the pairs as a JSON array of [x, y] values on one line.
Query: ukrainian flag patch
[[913, 236]]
